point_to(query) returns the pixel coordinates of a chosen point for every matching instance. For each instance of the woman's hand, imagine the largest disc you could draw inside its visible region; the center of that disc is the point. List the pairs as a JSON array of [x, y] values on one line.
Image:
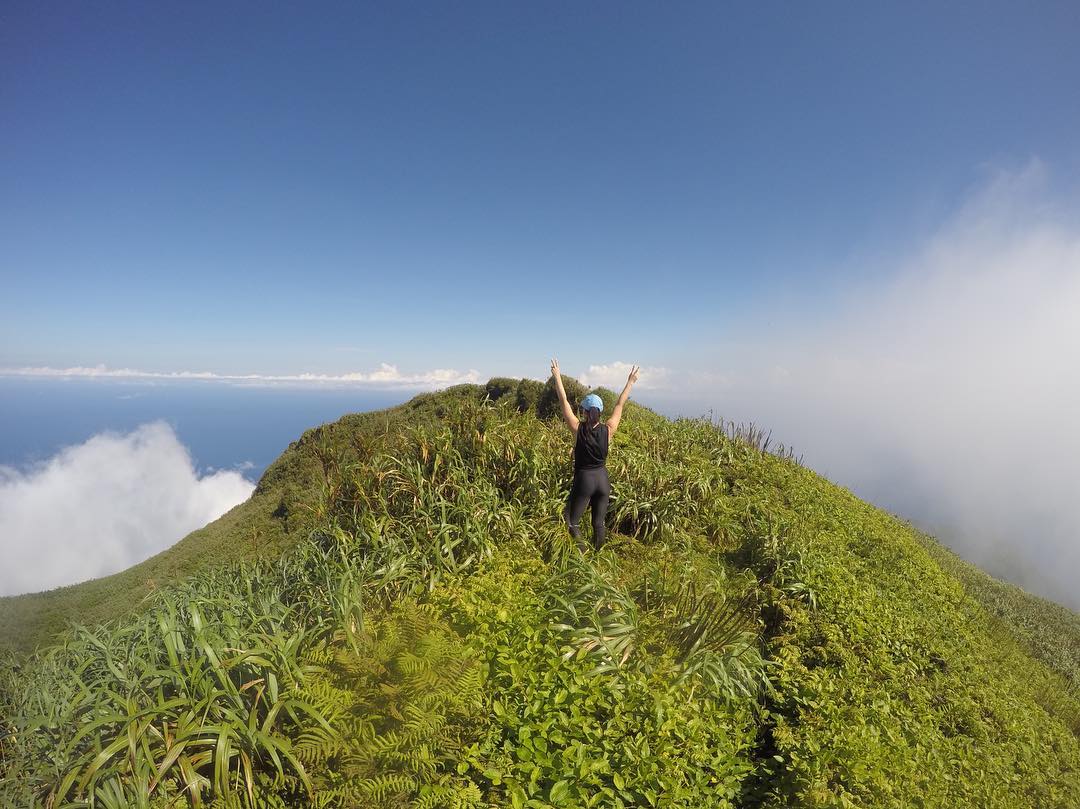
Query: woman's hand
[[632, 378], [555, 368]]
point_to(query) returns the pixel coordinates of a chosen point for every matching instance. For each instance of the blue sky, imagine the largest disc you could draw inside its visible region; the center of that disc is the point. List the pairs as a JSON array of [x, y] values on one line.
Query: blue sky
[[244, 188]]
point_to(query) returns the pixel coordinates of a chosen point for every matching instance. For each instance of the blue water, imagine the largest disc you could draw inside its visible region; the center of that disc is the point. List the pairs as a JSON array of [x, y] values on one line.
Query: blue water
[[223, 426]]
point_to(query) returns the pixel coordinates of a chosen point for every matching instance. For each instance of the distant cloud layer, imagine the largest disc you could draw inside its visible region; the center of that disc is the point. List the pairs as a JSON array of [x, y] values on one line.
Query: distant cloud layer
[[949, 392], [385, 376], [613, 375], [104, 505]]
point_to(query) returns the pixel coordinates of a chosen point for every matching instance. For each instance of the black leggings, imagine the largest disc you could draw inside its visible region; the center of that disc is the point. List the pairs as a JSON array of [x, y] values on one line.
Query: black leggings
[[591, 487]]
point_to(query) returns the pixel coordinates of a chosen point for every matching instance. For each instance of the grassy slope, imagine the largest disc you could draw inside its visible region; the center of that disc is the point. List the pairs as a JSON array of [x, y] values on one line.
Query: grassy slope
[[897, 676], [269, 522], [902, 686], [1049, 631]]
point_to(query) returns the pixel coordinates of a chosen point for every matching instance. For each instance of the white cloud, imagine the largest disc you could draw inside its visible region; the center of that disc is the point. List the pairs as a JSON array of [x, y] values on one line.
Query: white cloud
[[613, 375], [950, 392], [386, 376], [104, 505]]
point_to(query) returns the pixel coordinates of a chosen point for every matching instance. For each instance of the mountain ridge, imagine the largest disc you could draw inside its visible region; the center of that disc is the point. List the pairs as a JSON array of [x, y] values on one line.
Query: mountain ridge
[[829, 655]]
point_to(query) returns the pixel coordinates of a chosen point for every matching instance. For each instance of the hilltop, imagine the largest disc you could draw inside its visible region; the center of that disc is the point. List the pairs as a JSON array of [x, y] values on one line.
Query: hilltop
[[397, 618]]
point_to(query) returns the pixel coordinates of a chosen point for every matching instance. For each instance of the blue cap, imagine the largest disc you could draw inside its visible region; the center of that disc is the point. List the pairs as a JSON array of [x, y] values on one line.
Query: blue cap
[[592, 400]]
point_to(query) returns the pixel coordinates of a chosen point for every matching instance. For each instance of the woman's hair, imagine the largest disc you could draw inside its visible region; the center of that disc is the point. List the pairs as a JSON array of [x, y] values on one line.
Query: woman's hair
[[592, 416]]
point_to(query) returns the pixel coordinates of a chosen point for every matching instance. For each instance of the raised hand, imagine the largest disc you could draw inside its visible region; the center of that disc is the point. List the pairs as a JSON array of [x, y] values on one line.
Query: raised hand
[[555, 368], [632, 378]]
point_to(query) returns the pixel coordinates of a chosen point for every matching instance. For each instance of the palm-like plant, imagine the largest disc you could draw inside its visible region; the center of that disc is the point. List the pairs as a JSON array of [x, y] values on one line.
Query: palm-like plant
[[597, 619]]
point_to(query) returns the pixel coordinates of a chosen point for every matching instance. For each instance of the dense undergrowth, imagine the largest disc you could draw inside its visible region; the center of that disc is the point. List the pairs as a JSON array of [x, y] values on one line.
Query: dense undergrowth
[[751, 636]]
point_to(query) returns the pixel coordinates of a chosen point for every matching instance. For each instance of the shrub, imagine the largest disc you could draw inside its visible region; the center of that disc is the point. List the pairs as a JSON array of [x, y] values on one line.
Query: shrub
[[528, 394], [499, 386], [548, 406]]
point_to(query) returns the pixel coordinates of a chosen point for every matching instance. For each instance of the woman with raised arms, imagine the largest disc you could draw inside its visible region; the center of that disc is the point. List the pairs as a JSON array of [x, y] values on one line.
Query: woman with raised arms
[[592, 437]]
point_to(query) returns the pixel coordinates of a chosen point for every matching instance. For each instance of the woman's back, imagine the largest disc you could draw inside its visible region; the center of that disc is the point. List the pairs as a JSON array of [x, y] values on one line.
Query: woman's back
[[591, 446]]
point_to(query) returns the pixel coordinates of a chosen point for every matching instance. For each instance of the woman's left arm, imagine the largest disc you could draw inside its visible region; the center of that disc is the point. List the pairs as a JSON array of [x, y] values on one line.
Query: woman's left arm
[[616, 413]]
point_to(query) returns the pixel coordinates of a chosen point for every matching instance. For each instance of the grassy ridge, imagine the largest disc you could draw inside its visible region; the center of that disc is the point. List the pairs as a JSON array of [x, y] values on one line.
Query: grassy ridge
[[752, 636], [268, 523]]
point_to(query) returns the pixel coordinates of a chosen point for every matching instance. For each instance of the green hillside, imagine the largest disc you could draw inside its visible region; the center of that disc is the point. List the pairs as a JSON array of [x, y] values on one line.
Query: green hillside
[[271, 520], [397, 618]]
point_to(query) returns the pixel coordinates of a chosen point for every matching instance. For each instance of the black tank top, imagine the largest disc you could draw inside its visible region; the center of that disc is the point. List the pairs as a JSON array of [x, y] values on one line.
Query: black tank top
[[591, 447]]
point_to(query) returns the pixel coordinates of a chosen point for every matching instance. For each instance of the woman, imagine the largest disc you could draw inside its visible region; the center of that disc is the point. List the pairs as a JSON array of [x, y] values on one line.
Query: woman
[[592, 437]]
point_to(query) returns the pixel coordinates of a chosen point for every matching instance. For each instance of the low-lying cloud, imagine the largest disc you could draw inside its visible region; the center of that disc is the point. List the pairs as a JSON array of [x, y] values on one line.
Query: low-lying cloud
[[386, 376], [104, 505], [950, 392]]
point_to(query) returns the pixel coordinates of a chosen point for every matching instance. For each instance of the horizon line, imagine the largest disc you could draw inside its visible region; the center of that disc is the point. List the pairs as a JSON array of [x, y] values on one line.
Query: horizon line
[[385, 376]]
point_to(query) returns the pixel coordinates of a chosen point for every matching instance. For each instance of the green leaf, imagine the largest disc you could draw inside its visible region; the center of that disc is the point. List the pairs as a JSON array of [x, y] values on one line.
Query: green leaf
[[560, 791]]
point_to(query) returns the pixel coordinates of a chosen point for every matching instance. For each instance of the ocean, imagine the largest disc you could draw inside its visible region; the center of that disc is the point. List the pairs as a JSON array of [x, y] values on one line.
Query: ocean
[[223, 426]]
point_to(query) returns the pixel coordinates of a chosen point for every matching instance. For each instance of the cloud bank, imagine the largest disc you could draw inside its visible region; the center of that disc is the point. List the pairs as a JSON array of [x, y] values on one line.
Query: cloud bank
[[386, 376], [949, 392], [613, 375], [104, 505]]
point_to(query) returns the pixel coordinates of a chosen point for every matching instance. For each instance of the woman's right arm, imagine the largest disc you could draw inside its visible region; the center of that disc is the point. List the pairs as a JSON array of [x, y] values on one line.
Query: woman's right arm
[[567, 411]]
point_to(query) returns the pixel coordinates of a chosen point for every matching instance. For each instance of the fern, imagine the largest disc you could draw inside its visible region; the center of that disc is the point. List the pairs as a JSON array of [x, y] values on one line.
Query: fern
[[404, 695]]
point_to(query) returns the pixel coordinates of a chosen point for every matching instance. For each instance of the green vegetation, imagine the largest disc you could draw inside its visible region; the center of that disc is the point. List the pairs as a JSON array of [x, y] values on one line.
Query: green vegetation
[[423, 633], [1049, 631], [1043, 629], [272, 520]]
